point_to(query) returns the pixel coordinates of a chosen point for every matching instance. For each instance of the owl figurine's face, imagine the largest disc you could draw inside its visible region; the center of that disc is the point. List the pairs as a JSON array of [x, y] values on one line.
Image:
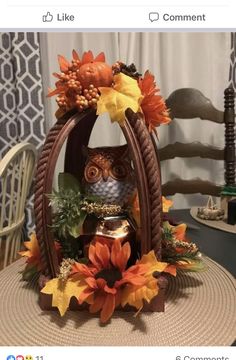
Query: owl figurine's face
[[109, 174]]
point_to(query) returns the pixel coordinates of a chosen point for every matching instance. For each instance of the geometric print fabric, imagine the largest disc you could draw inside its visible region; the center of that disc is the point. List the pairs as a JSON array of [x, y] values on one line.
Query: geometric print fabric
[[21, 106]]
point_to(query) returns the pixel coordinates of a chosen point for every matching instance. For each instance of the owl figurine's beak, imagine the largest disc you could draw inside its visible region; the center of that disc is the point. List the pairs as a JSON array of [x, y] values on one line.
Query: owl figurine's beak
[[105, 174]]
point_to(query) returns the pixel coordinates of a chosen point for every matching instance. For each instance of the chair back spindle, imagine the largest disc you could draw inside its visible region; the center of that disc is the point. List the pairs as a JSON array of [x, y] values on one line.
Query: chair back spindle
[[189, 103], [16, 173]]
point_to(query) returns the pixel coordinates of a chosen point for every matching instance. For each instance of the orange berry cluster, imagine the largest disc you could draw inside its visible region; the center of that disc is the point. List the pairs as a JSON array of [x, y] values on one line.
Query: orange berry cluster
[[72, 93], [88, 99]]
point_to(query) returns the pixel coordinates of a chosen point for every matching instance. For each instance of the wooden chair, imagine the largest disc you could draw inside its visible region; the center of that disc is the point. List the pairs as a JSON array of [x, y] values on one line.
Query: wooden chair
[[188, 103], [16, 173]]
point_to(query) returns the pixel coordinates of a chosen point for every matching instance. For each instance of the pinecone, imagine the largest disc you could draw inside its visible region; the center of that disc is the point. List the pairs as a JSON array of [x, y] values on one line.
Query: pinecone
[[129, 70]]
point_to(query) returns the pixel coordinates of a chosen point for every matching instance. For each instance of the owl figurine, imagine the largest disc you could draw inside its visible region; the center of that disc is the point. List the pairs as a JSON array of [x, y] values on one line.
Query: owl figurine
[[109, 175]]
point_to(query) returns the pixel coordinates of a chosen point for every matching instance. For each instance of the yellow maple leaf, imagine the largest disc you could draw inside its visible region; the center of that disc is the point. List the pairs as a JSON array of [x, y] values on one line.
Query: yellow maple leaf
[[135, 296], [32, 247], [153, 265], [115, 100], [166, 204], [32, 253], [63, 291]]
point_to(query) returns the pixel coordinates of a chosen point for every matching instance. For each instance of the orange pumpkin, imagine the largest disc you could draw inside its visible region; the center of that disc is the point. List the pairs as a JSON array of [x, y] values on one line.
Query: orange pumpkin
[[95, 73]]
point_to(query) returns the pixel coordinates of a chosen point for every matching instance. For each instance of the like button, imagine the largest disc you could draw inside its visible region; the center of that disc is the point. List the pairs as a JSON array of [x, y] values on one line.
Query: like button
[[48, 17]]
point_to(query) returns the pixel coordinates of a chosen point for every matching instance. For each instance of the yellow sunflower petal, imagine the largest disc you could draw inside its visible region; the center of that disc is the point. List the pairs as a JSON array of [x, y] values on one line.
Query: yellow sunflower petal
[[62, 291], [125, 94]]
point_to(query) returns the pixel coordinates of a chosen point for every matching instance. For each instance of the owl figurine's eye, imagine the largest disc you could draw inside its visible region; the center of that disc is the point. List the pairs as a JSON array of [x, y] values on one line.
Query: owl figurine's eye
[[118, 171], [92, 174]]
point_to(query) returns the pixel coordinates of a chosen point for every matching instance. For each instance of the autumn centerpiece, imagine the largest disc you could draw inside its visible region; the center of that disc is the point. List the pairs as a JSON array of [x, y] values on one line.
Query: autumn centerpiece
[[102, 242]]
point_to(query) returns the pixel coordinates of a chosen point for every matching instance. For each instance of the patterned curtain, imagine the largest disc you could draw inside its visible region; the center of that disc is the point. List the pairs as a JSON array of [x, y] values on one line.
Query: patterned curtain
[[21, 106], [232, 69]]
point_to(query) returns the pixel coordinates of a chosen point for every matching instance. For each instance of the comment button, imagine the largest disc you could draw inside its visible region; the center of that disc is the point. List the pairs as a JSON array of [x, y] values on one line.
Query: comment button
[[153, 16]]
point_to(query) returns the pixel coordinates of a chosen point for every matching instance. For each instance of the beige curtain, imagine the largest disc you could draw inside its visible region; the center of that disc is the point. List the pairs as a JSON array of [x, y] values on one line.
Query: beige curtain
[[199, 60]]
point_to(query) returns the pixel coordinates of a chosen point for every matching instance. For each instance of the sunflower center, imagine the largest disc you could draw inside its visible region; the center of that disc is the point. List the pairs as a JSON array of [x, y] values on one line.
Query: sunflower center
[[110, 275]]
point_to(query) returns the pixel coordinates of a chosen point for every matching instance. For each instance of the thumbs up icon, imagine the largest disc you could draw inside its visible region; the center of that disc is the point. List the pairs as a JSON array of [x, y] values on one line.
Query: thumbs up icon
[[48, 17]]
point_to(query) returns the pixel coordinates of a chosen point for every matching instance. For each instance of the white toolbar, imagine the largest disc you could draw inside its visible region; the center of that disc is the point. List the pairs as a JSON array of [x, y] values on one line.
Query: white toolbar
[[124, 16]]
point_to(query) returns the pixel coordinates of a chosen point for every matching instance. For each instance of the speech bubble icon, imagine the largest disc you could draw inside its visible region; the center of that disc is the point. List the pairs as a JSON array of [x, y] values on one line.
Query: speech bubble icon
[[153, 16]]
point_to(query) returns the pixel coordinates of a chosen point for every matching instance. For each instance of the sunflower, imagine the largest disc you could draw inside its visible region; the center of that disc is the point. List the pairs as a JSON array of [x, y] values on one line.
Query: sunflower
[[106, 276], [106, 282], [110, 283]]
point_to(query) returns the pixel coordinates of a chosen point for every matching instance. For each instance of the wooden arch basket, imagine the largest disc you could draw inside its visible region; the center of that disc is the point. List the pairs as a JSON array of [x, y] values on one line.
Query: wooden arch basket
[[76, 129]]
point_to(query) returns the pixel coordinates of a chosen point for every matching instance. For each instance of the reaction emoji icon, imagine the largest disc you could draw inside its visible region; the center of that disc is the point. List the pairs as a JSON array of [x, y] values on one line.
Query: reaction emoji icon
[[29, 357], [20, 357]]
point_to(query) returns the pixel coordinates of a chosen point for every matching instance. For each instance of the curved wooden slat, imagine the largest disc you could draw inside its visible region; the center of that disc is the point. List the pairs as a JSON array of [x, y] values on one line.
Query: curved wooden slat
[[13, 154], [194, 186], [151, 168], [142, 184], [44, 180], [194, 149], [189, 103], [146, 167]]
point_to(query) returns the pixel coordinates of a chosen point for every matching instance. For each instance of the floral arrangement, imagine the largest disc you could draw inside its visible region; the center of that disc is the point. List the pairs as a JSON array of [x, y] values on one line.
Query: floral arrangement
[[104, 281], [104, 275], [89, 82]]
